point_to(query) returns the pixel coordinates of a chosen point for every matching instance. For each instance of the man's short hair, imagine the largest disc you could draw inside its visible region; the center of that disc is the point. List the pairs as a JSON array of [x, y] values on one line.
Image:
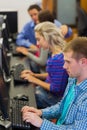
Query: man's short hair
[[78, 46], [34, 6], [45, 15]]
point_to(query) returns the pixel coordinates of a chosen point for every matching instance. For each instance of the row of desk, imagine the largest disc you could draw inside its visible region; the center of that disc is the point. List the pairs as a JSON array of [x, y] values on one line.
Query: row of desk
[[26, 89]]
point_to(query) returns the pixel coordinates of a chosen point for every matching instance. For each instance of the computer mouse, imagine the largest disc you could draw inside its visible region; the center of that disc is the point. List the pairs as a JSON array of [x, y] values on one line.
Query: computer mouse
[[21, 97], [24, 97]]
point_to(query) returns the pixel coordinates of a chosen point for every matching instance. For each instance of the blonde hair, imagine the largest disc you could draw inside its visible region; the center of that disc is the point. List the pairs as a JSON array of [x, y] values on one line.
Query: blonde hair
[[51, 33]]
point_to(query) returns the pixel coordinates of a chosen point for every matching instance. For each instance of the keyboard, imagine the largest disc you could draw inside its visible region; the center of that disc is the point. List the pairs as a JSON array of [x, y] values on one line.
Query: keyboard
[[14, 52], [17, 72], [16, 115]]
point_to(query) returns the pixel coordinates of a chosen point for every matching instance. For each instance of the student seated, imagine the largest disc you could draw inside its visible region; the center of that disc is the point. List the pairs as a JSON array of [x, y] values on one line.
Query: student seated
[[51, 91], [71, 112]]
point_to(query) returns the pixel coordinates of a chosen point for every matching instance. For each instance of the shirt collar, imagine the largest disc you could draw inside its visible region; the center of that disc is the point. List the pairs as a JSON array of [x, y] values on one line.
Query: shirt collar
[[32, 24], [80, 87], [83, 85]]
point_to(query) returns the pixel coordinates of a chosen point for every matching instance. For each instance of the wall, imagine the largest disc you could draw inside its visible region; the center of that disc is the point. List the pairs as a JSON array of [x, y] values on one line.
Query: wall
[[20, 6], [66, 11]]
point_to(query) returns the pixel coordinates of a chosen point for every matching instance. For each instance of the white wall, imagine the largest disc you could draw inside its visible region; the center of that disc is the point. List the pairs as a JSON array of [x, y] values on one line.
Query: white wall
[[20, 6]]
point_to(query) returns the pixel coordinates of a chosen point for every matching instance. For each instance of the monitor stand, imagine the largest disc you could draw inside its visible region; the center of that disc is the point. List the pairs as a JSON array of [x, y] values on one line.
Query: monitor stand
[[5, 122]]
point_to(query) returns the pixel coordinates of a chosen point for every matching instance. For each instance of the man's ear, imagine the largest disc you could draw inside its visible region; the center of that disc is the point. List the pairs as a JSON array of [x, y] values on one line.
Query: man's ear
[[84, 60]]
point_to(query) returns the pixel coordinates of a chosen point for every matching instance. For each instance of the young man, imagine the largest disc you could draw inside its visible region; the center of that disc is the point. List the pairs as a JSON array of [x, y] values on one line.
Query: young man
[[27, 37], [71, 112]]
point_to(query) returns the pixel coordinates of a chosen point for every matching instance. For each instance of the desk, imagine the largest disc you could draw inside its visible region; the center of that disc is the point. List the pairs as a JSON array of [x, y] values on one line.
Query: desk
[[27, 89]]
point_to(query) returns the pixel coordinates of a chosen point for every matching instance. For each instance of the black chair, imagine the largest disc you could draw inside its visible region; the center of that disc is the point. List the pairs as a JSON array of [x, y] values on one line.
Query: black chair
[[81, 21]]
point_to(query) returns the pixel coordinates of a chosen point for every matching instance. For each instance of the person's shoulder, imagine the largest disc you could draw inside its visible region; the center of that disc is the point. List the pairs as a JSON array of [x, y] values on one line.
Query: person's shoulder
[[29, 23], [57, 23], [59, 56], [44, 50]]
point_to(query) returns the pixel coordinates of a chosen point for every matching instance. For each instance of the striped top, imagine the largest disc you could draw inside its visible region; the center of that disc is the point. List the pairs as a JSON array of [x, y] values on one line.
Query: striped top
[[57, 75]]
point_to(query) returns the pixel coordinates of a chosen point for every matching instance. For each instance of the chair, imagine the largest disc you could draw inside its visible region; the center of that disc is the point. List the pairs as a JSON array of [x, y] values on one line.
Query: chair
[[82, 22]]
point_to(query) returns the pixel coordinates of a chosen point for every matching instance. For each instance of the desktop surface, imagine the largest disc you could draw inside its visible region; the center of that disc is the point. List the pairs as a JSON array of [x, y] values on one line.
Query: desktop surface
[[21, 89]]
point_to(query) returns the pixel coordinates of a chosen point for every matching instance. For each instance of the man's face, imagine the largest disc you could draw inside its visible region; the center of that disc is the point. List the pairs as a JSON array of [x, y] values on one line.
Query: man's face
[[34, 15], [72, 66]]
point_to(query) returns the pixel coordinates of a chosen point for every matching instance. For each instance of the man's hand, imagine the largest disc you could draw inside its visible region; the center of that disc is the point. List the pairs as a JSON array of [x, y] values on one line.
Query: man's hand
[[64, 29], [32, 118], [31, 109], [30, 114]]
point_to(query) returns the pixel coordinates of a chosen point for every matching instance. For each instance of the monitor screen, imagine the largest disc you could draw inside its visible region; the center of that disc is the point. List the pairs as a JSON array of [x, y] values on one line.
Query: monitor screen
[[1, 20], [5, 36], [11, 21], [4, 24]]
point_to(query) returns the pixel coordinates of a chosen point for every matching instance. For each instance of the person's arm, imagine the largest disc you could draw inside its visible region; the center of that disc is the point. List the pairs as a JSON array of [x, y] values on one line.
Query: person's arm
[[26, 36], [79, 123], [67, 31], [41, 75], [36, 81], [37, 75], [21, 41], [33, 49], [31, 113], [42, 59]]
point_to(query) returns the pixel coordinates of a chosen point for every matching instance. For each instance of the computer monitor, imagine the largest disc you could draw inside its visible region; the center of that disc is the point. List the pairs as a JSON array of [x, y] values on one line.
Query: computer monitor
[[5, 36], [4, 96], [1, 20], [4, 62], [12, 20]]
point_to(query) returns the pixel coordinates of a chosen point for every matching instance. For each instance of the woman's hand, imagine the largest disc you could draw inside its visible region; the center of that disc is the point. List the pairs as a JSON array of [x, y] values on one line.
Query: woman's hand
[[22, 50], [27, 72], [33, 48], [29, 77]]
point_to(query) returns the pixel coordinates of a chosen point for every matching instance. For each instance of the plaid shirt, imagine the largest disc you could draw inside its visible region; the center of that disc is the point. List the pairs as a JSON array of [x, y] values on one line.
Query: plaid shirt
[[76, 117]]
